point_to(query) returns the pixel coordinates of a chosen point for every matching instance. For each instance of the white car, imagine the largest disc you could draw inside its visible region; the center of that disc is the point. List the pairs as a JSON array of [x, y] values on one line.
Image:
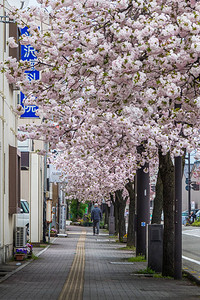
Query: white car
[[22, 218], [184, 217], [198, 215]]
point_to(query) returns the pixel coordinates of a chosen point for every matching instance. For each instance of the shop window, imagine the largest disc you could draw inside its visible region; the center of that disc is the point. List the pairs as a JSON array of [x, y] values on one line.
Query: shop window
[[14, 32]]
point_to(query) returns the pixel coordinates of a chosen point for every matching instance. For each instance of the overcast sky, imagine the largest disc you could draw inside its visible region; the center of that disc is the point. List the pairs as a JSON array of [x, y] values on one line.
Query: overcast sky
[[32, 2], [17, 3]]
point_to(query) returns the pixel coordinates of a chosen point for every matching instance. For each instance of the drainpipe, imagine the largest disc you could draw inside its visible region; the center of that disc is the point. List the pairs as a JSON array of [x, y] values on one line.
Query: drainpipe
[[3, 131], [45, 193]]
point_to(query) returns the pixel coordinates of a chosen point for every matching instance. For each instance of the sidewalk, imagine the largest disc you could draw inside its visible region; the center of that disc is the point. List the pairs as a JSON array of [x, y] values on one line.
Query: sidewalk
[[83, 266]]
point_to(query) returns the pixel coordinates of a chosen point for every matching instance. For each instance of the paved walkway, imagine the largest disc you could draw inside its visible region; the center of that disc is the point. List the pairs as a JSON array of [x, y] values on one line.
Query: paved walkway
[[87, 267]]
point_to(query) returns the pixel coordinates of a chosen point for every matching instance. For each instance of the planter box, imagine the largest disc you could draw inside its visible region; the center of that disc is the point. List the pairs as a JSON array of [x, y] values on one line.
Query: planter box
[[87, 224], [76, 223], [53, 234], [20, 256]]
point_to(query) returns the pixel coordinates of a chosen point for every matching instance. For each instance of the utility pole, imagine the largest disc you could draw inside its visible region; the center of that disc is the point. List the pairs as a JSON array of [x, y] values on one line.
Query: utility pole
[[189, 187], [178, 219], [178, 215], [143, 211]]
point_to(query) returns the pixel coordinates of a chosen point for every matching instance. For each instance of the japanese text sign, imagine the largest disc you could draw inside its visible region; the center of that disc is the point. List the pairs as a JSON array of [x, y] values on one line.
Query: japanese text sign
[[28, 53]]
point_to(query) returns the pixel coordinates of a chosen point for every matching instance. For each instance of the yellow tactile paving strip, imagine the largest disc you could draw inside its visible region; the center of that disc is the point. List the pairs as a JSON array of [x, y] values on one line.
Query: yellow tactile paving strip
[[73, 287]]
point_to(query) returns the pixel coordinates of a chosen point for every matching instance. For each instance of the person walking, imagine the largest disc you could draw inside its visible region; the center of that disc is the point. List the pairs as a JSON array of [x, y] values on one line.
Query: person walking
[[96, 216], [192, 217]]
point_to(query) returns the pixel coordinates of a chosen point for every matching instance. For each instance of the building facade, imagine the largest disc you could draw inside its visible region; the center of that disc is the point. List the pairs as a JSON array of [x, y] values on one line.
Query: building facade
[[9, 154], [32, 185], [21, 169]]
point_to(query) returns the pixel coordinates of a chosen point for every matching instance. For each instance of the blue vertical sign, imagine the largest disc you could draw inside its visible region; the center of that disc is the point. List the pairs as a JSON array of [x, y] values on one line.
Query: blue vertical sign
[[28, 53]]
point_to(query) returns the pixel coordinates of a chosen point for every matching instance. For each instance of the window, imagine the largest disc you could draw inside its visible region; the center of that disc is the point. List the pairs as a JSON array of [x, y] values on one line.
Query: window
[[14, 32], [14, 180]]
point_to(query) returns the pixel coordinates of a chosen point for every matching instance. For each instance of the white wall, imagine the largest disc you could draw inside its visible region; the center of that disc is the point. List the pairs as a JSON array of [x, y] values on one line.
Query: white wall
[[25, 185], [36, 198]]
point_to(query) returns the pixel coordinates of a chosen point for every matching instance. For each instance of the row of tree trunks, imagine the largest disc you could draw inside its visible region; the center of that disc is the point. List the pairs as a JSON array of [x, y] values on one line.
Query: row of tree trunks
[[164, 200], [119, 212]]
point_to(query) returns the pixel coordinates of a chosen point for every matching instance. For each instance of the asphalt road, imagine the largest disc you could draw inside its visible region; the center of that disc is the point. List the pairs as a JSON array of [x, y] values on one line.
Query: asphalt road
[[191, 248]]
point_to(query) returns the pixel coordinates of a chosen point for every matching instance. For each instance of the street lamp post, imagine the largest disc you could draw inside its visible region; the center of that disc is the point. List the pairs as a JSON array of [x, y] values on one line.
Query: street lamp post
[[142, 205]]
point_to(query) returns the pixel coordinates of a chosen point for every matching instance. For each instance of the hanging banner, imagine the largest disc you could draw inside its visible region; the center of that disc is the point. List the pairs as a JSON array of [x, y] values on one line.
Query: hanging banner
[[49, 211], [28, 53]]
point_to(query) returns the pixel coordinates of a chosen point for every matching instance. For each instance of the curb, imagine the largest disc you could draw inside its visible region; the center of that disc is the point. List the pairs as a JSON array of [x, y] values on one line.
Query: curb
[[25, 264], [15, 271], [191, 277]]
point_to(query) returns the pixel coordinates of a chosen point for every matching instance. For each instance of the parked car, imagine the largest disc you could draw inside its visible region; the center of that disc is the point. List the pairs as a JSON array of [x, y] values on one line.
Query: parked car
[[185, 215], [198, 214], [22, 218]]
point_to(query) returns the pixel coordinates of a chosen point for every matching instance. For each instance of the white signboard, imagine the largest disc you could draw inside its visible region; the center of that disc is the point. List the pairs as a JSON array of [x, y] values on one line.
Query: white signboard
[[62, 223], [192, 204], [54, 174]]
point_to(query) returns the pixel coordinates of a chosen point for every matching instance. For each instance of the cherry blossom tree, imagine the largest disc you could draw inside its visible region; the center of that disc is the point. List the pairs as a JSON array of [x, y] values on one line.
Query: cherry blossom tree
[[113, 55], [122, 64]]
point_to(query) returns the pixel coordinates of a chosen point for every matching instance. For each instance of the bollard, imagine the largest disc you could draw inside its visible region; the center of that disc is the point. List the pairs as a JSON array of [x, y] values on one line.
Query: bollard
[[155, 247]]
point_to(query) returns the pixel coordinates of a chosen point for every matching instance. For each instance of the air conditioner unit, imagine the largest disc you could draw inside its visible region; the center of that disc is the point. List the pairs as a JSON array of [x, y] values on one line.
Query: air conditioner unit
[[20, 237]]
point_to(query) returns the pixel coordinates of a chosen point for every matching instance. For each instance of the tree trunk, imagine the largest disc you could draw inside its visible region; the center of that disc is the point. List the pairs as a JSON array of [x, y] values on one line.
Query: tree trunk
[[106, 215], [158, 201], [116, 214], [121, 209], [122, 226], [89, 207], [131, 218], [78, 206], [167, 175], [111, 217]]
